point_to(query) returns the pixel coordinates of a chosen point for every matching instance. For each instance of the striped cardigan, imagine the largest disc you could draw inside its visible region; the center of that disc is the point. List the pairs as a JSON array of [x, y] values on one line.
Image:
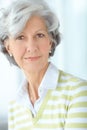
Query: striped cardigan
[[64, 108]]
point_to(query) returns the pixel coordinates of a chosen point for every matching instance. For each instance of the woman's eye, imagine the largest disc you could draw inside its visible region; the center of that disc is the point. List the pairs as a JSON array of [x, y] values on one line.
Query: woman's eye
[[20, 37], [40, 35]]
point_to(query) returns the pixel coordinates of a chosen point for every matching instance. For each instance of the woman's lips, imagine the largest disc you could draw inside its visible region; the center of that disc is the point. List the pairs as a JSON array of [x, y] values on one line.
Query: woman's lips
[[32, 58]]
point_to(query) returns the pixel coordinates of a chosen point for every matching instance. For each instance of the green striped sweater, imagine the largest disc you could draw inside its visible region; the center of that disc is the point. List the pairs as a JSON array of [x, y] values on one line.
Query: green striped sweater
[[64, 108]]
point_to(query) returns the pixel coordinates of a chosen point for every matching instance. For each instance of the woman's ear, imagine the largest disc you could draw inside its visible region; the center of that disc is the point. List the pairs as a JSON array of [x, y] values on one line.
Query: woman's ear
[[51, 44], [7, 46], [50, 49]]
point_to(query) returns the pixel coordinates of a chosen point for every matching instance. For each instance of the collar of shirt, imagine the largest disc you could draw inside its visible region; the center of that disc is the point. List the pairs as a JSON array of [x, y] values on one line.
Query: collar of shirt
[[49, 81]]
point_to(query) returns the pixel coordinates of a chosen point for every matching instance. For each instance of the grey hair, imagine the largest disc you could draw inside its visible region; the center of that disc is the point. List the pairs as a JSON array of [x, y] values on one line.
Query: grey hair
[[14, 18]]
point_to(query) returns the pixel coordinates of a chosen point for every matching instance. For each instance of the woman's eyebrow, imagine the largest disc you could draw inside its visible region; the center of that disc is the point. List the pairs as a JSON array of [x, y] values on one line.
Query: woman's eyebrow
[[43, 30]]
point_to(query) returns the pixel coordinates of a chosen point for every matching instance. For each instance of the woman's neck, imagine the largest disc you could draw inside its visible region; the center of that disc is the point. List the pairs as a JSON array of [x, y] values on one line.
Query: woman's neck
[[34, 80]]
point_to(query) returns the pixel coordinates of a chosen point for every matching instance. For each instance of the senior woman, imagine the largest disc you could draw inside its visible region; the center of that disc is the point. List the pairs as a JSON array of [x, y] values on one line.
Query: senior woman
[[48, 98]]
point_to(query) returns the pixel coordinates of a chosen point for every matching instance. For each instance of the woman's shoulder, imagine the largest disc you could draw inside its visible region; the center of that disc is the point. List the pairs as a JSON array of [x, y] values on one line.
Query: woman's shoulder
[[71, 82], [67, 76], [13, 105], [12, 100]]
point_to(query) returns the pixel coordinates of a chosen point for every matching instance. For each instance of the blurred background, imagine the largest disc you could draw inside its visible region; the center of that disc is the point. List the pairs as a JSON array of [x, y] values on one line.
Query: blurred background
[[70, 55]]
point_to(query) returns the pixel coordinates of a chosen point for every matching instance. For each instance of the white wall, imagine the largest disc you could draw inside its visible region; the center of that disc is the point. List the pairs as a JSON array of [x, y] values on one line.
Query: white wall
[[71, 55]]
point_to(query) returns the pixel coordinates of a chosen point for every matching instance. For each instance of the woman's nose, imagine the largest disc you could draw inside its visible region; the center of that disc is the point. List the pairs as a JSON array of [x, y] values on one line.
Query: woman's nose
[[31, 45]]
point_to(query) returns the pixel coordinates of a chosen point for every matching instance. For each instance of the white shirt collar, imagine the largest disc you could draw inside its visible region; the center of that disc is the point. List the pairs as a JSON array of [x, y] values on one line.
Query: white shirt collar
[[50, 78], [49, 81]]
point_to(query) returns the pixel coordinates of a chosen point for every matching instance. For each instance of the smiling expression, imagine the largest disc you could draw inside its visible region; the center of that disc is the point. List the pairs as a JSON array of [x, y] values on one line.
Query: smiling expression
[[30, 49]]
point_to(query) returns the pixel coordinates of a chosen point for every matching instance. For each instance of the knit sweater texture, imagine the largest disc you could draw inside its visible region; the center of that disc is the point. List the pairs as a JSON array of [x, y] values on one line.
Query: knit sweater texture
[[63, 108]]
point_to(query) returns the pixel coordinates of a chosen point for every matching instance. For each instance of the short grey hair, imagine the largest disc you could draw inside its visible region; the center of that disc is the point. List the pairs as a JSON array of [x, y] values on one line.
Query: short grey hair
[[14, 18]]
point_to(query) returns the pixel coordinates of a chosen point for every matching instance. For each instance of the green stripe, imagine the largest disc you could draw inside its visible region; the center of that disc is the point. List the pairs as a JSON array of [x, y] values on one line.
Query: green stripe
[[80, 94], [76, 115], [79, 105], [45, 126], [76, 125]]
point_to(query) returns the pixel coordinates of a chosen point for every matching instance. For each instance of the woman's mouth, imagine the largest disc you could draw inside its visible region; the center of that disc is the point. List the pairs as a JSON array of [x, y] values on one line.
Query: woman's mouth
[[34, 58]]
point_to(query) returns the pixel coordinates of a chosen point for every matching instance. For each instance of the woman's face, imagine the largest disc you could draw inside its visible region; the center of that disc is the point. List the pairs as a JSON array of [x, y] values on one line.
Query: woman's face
[[31, 48]]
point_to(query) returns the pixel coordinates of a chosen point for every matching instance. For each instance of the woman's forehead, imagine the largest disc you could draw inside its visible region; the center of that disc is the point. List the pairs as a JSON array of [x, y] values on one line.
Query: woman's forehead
[[36, 23]]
